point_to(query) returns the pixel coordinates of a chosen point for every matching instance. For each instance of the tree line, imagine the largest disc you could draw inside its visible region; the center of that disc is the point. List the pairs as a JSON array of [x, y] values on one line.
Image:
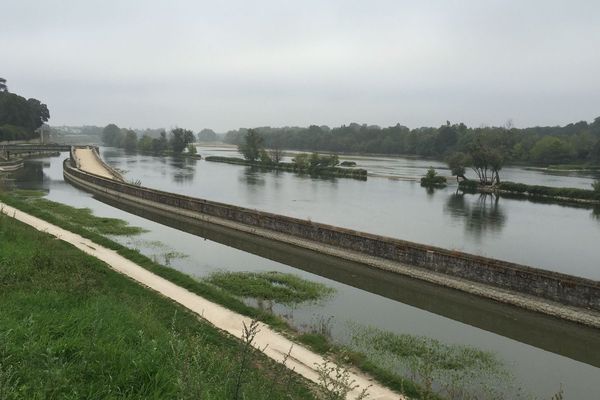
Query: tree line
[[20, 117], [176, 141], [573, 143]]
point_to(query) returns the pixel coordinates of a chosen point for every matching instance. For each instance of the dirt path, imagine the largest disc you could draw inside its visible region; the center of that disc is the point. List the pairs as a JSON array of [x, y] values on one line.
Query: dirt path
[[88, 162], [274, 344]]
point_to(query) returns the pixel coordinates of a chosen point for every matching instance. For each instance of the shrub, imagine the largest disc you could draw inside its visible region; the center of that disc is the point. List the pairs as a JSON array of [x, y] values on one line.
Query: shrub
[[432, 179]]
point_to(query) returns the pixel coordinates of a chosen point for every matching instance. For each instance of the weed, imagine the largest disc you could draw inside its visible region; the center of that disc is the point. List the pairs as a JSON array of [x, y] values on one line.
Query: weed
[[273, 286], [335, 382]]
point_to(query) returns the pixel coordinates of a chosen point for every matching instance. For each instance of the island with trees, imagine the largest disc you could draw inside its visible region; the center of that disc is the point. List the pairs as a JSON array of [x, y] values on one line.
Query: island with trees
[[256, 155]]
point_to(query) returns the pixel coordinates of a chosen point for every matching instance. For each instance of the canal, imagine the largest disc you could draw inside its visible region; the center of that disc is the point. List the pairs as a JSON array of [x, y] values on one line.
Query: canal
[[540, 352]]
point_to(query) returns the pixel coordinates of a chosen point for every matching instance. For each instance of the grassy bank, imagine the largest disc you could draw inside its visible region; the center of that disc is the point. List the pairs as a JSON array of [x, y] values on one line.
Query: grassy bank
[[72, 328], [337, 172]]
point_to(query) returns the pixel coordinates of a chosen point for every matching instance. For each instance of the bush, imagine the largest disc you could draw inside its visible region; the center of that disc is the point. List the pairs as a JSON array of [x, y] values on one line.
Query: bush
[[539, 191], [468, 186], [432, 179]]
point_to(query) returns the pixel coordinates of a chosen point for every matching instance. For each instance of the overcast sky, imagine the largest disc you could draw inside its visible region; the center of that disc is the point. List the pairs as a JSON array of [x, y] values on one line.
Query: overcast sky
[[229, 64]]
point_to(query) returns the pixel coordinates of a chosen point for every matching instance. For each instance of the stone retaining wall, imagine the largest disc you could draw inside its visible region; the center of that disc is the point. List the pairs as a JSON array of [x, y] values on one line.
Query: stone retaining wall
[[562, 288]]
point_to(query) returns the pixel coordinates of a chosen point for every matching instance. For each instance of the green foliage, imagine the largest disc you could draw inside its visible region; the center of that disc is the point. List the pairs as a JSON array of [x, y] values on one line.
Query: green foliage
[[180, 138], [252, 145], [454, 371], [160, 144], [191, 149], [81, 217], [129, 140], [348, 164], [551, 150], [537, 191], [20, 117], [458, 162], [207, 135], [68, 319], [432, 179], [469, 186], [112, 135], [300, 165], [581, 140], [273, 286], [145, 144]]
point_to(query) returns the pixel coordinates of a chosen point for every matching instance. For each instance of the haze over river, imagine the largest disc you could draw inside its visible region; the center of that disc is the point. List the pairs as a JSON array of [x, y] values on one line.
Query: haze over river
[[540, 352]]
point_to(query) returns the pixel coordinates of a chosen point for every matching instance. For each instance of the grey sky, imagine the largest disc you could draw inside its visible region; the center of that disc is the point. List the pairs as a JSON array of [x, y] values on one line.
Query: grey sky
[[228, 64]]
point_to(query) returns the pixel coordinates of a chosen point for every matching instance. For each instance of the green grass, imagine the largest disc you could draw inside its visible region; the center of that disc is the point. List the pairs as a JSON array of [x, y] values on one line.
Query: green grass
[[77, 216], [72, 328], [275, 286]]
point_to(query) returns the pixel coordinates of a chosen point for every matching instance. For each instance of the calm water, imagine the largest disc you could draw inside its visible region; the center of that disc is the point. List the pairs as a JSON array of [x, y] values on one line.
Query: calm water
[[541, 352]]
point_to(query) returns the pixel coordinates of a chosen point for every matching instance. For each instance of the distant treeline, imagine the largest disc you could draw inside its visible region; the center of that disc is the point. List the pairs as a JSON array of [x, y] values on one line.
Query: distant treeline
[[577, 142], [20, 117], [176, 141]]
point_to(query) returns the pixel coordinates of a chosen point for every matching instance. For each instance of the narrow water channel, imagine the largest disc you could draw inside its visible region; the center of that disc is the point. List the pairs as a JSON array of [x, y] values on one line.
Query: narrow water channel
[[540, 352]]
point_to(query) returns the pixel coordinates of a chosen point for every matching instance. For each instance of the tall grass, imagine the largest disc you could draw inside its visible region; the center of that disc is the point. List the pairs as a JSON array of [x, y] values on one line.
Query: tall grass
[[72, 328]]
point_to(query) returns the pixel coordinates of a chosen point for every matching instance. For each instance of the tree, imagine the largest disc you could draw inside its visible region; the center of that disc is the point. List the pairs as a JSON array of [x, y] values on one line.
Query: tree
[[145, 144], [252, 145], [486, 163], [111, 135], [180, 138], [160, 145], [276, 155], [3, 87], [129, 140], [207, 135], [458, 163], [551, 149]]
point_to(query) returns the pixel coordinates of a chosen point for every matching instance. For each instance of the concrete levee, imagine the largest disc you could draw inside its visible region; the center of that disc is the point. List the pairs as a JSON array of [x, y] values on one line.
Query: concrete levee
[[561, 288]]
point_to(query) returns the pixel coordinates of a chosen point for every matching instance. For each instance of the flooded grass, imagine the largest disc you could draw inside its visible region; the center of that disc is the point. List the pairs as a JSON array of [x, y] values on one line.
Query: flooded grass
[[70, 327], [274, 286], [82, 217], [438, 369]]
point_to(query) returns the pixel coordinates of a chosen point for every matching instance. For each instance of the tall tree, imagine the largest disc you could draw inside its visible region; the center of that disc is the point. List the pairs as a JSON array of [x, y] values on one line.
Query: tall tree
[[180, 138], [3, 87], [252, 145], [111, 135]]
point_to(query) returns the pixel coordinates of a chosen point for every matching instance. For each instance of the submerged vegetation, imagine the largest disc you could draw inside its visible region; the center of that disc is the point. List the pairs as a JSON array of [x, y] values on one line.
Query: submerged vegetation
[[70, 327], [450, 371], [82, 217], [274, 286]]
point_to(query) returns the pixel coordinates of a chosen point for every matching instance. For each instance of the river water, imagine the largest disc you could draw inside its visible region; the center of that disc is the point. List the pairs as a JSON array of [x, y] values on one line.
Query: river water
[[541, 352]]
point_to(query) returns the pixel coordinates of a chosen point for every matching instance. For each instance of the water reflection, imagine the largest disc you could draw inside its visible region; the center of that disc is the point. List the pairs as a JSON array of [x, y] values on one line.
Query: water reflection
[[561, 337], [480, 216]]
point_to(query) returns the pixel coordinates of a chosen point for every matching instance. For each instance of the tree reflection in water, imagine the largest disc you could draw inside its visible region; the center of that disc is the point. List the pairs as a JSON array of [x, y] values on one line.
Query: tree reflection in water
[[184, 168], [483, 215]]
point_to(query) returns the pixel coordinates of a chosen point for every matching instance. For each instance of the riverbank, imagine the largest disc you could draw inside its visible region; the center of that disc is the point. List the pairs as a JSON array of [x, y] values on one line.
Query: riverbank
[[72, 327], [151, 275], [337, 172], [564, 195]]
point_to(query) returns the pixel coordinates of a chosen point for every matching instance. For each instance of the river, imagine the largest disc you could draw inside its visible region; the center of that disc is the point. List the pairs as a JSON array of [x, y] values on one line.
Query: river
[[541, 352]]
